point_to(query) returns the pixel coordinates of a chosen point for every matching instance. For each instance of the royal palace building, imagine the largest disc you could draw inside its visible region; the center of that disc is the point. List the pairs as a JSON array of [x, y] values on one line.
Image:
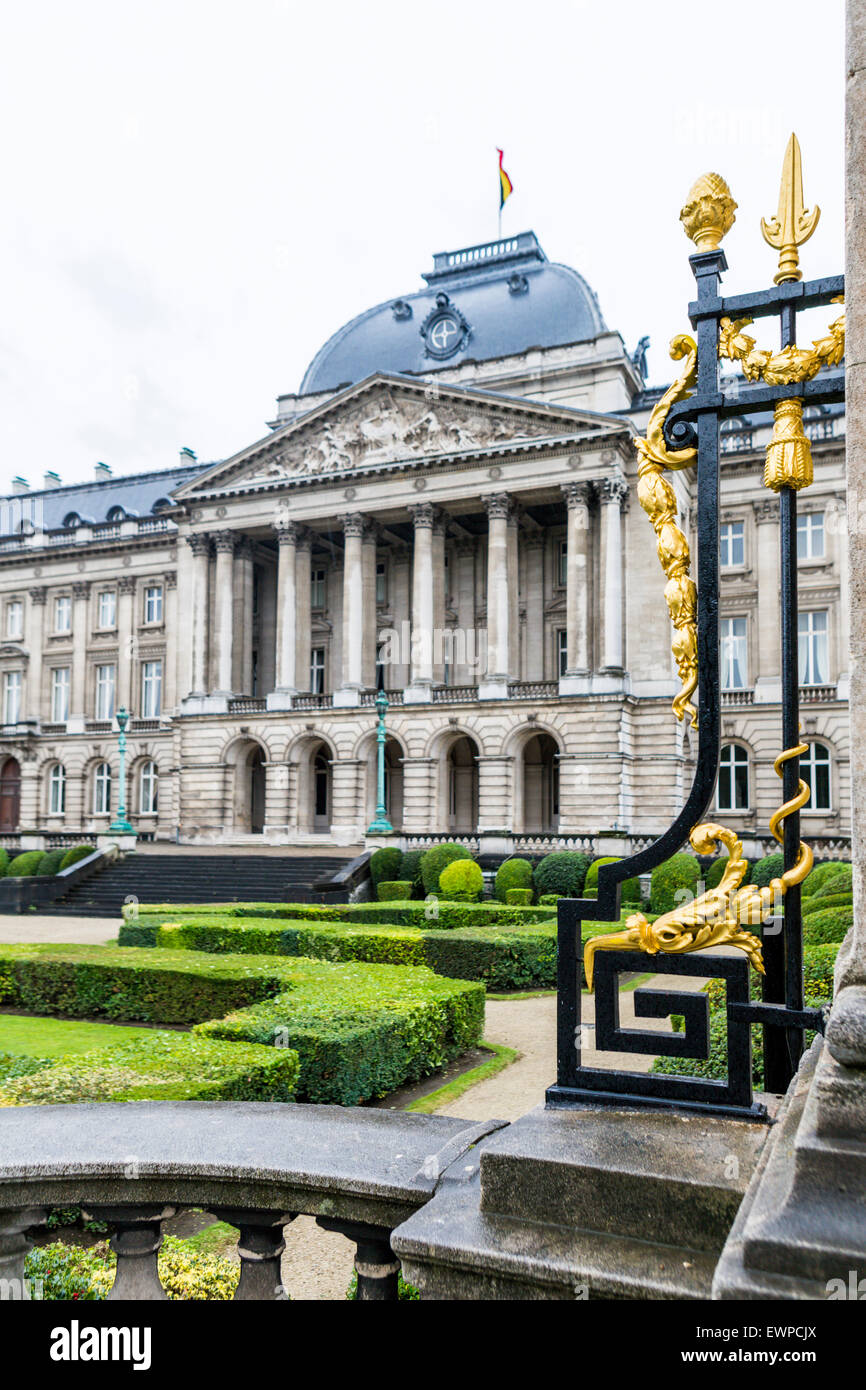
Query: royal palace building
[[445, 509]]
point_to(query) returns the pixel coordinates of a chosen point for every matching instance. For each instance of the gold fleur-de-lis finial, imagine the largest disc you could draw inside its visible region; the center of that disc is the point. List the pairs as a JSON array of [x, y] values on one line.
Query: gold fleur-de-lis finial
[[792, 224]]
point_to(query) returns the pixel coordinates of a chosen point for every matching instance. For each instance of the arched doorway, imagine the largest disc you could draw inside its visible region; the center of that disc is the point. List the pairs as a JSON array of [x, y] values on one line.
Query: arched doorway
[[461, 786], [540, 785], [393, 781], [10, 794], [321, 808], [247, 760], [256, 763]]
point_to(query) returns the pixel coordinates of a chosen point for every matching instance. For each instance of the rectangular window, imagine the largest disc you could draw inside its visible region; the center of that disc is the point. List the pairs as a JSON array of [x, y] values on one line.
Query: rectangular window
[[11, 697], [814, 665], [381, 576], [317, 670], [57, 791], [15, 619], [105, 692], [563, 564], [317, 588], [60, 677], [107, 608], [153, 603], [810, 536], [562, 650], [63, 614], [732, 545], [151, 689], [733, 656]]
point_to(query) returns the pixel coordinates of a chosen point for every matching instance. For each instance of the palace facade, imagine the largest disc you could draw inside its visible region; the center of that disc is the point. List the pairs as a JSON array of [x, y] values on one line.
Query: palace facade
[[447, 509]]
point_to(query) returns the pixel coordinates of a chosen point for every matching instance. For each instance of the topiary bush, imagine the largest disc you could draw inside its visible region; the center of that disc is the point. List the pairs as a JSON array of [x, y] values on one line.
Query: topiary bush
[[519, 897], [630, 888], [437, 858], [821, 872], [562, 872], [51, 863], [838, 882], [770, 867], [819, 904], [717, 869], [513, 873], [73, 855], [25, 865], [823, 928], [461, 881], [385, 864], [410, 868], [549, 899], [394, 890], [678, 875], [4, 861]]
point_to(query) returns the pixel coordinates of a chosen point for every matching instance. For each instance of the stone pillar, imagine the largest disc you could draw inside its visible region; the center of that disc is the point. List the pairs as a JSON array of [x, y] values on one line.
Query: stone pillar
[[419, 795], [512, 541], [398, 674], [370, 625], [495, 795], [279, 786], [78, 692], [347, 801], [287, 612], [767, 679], [34, 703], [835, 521], [440, 525], [199, 544], [494, 686], [242, 658], [303, 600], [225, 543], [123, 695], [613, 494], [469, 646], [420, 688], [172, 637], [349, 692], [576, 678], [533, 651]]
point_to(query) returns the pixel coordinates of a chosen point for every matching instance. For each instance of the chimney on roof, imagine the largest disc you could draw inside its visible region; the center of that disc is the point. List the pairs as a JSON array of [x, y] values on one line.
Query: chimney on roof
[[101, 473], [51, 480], [187, 455], [20, 485]]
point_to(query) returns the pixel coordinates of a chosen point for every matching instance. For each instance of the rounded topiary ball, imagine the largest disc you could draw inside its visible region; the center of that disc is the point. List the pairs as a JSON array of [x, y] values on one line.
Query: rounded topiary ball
[[435, 859], [461, 881], [562, 872], [513, 873]]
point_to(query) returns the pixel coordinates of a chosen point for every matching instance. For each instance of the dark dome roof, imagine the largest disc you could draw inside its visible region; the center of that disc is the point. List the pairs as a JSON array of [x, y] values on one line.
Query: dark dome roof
[[481, 302]]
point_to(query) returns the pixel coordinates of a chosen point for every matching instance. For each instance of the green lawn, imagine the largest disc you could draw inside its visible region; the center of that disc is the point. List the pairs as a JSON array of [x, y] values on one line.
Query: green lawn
[[25, 1036]]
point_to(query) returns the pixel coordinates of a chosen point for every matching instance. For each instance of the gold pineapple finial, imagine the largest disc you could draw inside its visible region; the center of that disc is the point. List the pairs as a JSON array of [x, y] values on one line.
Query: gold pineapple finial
[[708, 212], [792, 225]]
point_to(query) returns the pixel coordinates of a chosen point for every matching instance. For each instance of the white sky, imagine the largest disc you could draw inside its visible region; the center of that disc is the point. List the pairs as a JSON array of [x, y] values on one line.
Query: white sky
[[196, 194]]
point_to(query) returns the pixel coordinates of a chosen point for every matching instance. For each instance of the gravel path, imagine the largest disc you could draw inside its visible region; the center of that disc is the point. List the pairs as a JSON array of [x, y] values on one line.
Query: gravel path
[[87, 931]]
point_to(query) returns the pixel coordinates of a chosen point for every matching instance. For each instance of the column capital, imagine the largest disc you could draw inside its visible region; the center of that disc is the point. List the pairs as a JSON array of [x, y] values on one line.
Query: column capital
[[287, 531], [423, 515], [170, 579], [614, 490], [81, 588], [305, 538], [39, 594], [225, 542], [441, 521], [577, 494], [499, 505], [354, 524], [245, 548], [198, 542], [126, 584], [766, 509]]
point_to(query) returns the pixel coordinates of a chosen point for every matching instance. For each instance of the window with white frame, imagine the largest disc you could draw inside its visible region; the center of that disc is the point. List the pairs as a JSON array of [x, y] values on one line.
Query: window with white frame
[[57, 790], [107, 610], [815, 772], [63, 613], [102, 790], [732, 544], [562, 650], [733, 787], [562, 569], [148, 789], [104, 692], [153, 603], [317, 670], [733, 654], [151, 689], [317, 588], [813, 635], [15, 619], [60, 679], [810, 536], [11, 696]]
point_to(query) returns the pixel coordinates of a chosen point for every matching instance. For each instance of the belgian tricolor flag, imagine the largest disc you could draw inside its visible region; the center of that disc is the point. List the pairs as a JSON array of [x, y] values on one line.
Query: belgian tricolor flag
[[506, 187]]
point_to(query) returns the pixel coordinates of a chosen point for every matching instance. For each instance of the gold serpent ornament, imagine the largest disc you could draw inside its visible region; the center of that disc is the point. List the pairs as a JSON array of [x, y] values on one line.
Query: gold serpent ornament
[[720, 916], [659, 501]]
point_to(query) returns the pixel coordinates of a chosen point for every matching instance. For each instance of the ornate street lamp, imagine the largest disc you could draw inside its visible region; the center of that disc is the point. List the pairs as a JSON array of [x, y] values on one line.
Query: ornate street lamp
[[380, 825], [120, 825]]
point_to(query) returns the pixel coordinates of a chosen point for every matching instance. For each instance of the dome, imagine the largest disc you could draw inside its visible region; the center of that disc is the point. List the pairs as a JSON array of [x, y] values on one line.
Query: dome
[[480, 302]]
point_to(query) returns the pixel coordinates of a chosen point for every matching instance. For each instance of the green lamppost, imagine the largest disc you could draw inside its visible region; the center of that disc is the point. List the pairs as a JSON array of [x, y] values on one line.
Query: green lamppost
[[381, 824], [120, 825]]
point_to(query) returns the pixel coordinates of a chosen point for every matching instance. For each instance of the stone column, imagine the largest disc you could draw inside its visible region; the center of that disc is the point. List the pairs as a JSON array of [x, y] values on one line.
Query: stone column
[[34, 704], [512, 540], [613, 494], [765, 649], [279, 779], [370, 626], [420, 688], [468, 668], [242, 655], [225, 543], [836, 524], [349, 692], [123, 695], [495, 798], [172, 637], [440, 525], [419, 795], [347, 806], [576, 678], [533, 653], [494, 686], [287, 617], [199, 544], [303, 609], [78, 692]]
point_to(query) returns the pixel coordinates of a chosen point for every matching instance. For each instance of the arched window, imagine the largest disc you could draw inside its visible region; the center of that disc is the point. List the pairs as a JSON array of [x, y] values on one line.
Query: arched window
[[733, 791], [71, 520], [815, 772], [57, 790], [102, 790], [160, 505], [148, 789], [116, 514]]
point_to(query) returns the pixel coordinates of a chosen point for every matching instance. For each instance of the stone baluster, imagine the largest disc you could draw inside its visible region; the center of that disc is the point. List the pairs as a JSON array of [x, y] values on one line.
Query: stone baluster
[[376, 1265], [15, 1243], [260, 1248], [136, 1239], [614, 492]]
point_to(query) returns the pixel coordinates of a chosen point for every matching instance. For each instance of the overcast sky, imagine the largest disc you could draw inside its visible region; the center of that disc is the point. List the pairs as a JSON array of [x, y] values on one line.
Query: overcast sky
[[196, 194]]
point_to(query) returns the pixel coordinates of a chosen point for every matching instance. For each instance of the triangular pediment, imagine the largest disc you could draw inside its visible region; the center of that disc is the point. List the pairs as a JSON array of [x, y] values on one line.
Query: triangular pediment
[[387, 420]]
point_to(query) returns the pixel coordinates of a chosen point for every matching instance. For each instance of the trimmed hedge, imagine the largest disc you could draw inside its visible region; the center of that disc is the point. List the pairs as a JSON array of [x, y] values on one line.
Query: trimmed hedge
[[385, 864], [51, 862], [630, 888], [461, 881], [25, 865], [512, 873], [770, 867], [396, 891], [821, 928], [518, 897], [819, 904], [821, 872], [163, 1066], [73, 855], [410, 869], [838, 882], [563, 872], [714, 873], [4, 861], [678, 874], [435, 859]]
